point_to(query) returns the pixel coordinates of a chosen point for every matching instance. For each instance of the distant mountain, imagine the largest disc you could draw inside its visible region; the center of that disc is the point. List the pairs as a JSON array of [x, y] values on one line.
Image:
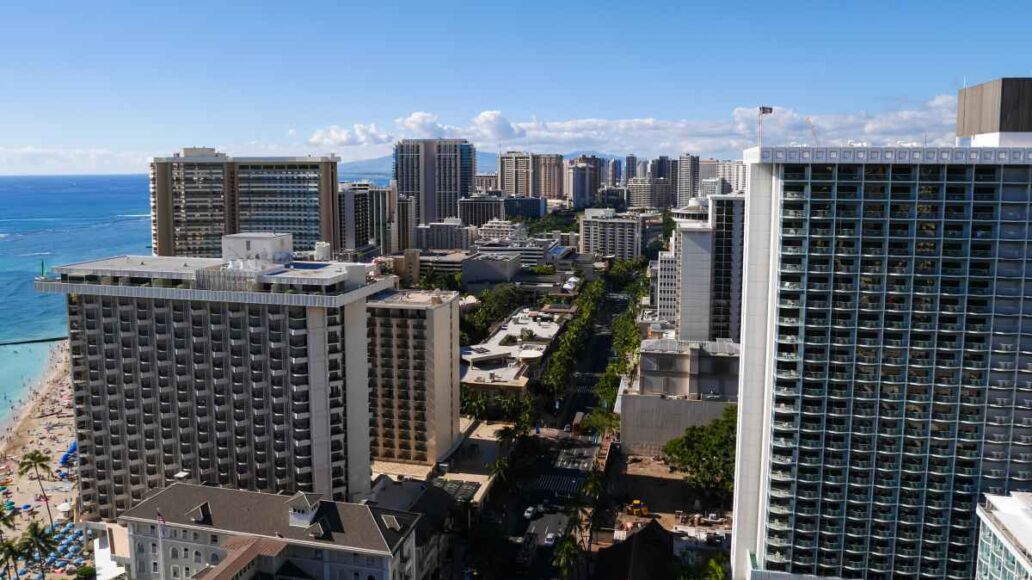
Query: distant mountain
[[487, 162]]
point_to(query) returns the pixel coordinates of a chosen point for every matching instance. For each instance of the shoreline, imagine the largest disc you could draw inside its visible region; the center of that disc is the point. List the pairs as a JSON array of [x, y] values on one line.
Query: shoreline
[[50, 379], [42, 419]]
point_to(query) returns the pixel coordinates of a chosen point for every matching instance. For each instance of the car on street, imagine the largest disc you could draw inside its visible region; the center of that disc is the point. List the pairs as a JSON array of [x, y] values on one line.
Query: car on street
[[550, 538], [530, 512]]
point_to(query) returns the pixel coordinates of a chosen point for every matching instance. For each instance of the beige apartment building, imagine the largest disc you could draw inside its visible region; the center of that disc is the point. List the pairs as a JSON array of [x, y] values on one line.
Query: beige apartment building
[[200, 194], [413, 375]]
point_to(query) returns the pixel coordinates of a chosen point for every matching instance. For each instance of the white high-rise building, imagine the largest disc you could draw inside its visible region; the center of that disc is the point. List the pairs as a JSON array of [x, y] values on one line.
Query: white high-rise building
[[248, 373], [688, 179], [883, 379], [734, 173], [604, 233]]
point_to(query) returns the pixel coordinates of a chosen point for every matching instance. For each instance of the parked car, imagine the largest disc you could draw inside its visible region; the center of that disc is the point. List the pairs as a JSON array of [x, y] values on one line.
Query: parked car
[[530, 512], [550, 538]]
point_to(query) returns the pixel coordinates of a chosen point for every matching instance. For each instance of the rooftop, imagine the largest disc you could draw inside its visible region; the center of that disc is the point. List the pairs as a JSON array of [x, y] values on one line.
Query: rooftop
[[412, 298], [670, 345], [918, 155], [335, 524], [1013, 514], [185, 268]]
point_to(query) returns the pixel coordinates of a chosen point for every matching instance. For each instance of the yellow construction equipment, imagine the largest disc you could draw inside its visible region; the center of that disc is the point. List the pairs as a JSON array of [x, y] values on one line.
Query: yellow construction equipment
[[638, 508]]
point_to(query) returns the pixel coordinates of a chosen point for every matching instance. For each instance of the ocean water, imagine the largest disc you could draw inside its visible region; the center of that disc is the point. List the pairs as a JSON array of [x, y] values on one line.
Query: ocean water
[[47, 221], [54, 220]]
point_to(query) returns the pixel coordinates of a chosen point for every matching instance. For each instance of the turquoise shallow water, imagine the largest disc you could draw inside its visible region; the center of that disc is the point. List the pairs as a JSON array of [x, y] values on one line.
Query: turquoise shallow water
[[53, 220], [46, 221]]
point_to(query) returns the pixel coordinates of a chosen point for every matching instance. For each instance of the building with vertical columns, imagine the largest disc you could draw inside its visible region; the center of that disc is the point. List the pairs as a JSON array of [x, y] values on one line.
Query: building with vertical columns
[[436, 173], [248, 373], [413, 375], [515, 173], [688, 179], [630, 167], [383, 218], [200, 194], [485, 182], [884, 379], [480, 209], [355, 217], [548, 170], [406, 224], [1005, 537], [604, 233]]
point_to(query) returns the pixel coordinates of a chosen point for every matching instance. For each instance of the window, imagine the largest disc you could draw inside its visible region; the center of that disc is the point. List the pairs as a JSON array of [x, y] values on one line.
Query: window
[[214, 559], [153, 548], [154, 567], [139, 548], [175, 553], [199, 559], [214, 539], [175, 571]]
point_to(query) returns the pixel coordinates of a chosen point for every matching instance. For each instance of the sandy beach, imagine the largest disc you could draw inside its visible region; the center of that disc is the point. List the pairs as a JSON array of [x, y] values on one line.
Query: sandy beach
[[41, 420]]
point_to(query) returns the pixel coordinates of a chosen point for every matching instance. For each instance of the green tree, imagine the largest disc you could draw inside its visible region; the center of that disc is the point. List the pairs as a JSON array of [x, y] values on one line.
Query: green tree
[[706, 454], [33, 461], [668, 224], [500, 469], [38, 541], [601, 421], [9, 554], [565, 557], [7, 522], [86, 573]]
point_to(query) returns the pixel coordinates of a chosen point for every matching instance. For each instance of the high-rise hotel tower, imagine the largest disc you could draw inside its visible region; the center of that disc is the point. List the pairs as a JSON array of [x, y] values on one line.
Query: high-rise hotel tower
[[200, 195], [248, 372], [890, 376], [886, 377]]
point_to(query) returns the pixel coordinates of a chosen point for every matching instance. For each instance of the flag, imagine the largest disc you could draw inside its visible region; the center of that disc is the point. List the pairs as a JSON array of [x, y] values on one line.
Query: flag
[[161, 523], [766, 110]]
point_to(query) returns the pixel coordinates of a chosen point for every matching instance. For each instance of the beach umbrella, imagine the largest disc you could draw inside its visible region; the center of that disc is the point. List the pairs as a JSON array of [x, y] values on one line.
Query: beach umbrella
[[26, 506], [64, 507]]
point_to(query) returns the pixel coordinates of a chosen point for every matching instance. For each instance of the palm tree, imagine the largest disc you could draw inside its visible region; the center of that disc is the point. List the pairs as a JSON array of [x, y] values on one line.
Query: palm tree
[[6, 521], [9, 554], [38, 541], [500, 469], [33, 461], [594, 485], [506, 436], [565, 557]]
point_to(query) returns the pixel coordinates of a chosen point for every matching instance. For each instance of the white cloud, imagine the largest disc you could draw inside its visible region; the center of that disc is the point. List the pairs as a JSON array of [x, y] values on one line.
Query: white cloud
[[928, 122], [492, 126], [358, 134], [421, 125]]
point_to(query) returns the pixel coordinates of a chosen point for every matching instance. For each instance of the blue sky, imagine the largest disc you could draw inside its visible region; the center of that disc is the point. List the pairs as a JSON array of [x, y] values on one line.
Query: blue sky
[[100, 86]]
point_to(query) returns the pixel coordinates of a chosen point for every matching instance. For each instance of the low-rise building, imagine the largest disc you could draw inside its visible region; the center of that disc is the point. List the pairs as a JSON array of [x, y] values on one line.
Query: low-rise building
[[449, 234], [480, 209], [677, 384], [214, 533], [443, 262], [510, 357], [527, 207], [436, 517], [490, 268], [498, 229], [1005, 537]]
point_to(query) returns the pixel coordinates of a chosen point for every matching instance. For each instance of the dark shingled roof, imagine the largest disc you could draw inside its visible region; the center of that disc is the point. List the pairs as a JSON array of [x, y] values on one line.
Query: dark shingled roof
[[346, 525], [647, 554]]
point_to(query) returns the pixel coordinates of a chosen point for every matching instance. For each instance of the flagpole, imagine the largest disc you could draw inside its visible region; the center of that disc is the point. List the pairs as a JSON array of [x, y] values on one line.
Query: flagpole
[[161, 547]]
